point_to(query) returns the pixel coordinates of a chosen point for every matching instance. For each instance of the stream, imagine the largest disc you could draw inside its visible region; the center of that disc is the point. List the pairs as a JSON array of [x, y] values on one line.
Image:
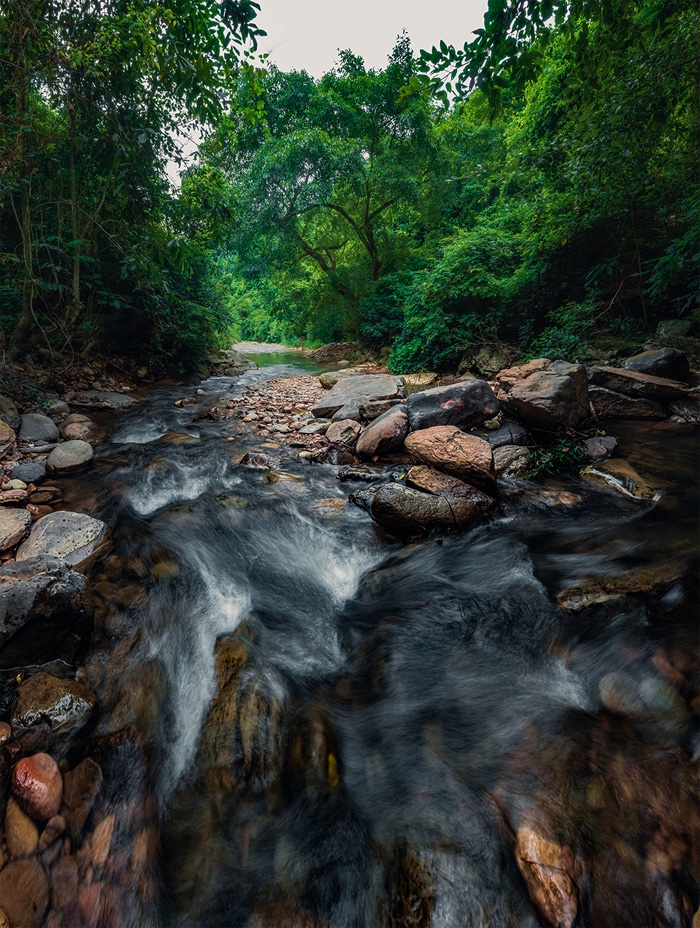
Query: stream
[[378, 722]]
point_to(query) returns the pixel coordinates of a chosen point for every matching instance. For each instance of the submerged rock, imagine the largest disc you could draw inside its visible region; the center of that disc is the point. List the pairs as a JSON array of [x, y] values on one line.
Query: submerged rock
[[662, 362], [48, 711], [38, 428], [450, 450], [38, 786], [620, 476], [24, 893], [463, 404]]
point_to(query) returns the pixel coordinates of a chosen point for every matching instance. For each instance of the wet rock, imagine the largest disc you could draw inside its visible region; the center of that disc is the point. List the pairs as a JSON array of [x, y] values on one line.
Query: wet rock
[[7, 438], [663, 362], [64, 882], [619, 475], [607, 403], [45, 612], [71, 536], [600, 447], [599, 590], [546, 401], [81, 787], [38, 428], [48, 711], [429, 480], [78, 427], [70, 456], [9, 414], [620, 693], [544, 865], [38, 786], [330, 506], [21, 833], [5, 733], [359, 388], [14, 523], [464, 404], [344, 432], [636, 384], [24, 893], [385, 435], [30, 473], [335, 454], [256, 461], [511, 461], [403, 510], [450, 450]]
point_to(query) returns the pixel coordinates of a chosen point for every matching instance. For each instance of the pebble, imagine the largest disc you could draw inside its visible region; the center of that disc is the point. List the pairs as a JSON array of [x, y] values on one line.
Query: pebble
[[38, 785], [21, 833]]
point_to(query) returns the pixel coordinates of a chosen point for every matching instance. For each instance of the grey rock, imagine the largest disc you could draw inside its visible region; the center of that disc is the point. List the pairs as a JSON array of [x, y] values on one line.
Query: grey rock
[[70, 456], [344, 432], [600, 447], [57, 409], [510, 433], [101, 399], [350, 410], [47, 712], [546, 401], [38, 428], [13, 524], [361, 388], [9, 414], [385, 434], [45, 612], [30, 473], [78, 427], [688, 408], [511, 461], [577, 372], [464, 404], [664, 362], [674, 328], [71, 536], [430, 480]]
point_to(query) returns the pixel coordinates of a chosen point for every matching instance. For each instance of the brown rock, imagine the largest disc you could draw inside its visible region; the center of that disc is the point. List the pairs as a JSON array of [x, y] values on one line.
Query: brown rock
[[4, 920], [80, 789], [429, 480], [24, 893], [79, 427], [546, 401], [619, 475], [385, 435], [21, 833], [64, 882], [607, 403], [38, 786], [101, 841], [404, 510], [636, 384], [5, 733], [14, 523], [55, 827], [450, 450], [544, 865]]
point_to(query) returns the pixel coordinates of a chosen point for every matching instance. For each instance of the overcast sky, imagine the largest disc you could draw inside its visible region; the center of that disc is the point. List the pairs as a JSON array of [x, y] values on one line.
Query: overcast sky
[[306, 34]]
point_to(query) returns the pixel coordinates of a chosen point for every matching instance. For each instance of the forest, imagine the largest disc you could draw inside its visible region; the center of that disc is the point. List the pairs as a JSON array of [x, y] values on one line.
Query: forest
[[535, 186]]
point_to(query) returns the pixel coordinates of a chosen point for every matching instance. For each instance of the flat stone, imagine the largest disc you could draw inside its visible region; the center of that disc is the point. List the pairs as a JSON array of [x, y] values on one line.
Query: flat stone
[[361, 388], [102, 399], [512, 461], [543, 864], [450, 450], [9, 414], [464, 404], [24, 893], [636, 384], [71, 536], [14, 523], [7, 438], [429, 480], [547, 401], [21, 833], [663, 362], [344, 432], [70, 456], [385, 434], [38, 428], [403, 510], [619, 475], [48, 711], [30, 473], [609, 404], [320, 427]]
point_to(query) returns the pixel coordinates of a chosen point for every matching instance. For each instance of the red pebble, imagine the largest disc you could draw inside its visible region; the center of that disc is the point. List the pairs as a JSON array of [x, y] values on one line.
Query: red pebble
[[38, 786]]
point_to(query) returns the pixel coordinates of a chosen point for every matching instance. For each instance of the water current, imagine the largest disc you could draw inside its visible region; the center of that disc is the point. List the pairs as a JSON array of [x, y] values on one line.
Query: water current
[[347, 731]]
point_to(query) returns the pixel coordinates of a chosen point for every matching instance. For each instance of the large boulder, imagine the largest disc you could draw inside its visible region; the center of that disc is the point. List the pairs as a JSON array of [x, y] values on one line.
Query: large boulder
[[636, 384], [360, 389], [7, 438], [547, 401], [663, 362], [45, 612], [101, 399], [24, 893], [429, 480], [385, 434], [509, 433], [464, 404], [38, 428], [450, 450], [607, 403], [70, 456], [403, 510], [71, 536], [14, 523], [47, 712], [9, 414]]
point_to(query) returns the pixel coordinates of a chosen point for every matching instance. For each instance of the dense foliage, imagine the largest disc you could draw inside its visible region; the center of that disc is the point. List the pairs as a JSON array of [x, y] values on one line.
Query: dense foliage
[[537, 185]]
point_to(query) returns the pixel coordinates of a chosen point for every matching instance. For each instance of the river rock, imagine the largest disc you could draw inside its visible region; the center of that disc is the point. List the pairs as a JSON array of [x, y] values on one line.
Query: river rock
[[24, 893], [361, 388], [45, 612], [69, 456], [619, 475], [81, 787], [546, 401], [509, 433], [511, 461], [385, 434], [450, 450], [57, 409], [9, 414], [344, 432], [607, 403], [14, 523], [402, 509], [663, 362], [7, 438], [46, 711], [71, 536], [101, 399], [21, 833], [38, 786], [429, 480], [577, 373], [30, 473], [38, 428], [688, 408], [77, 426], [464, 404], [636, 384], [600, 447], [350, 410], [320, 427], [544, 865]]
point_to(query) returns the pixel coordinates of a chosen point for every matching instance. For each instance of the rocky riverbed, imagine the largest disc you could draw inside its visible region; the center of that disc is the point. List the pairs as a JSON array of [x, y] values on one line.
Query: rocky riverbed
[[230, 696]]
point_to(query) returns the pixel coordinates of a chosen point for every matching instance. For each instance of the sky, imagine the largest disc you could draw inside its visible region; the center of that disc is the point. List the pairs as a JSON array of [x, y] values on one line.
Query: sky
[[306, 34]]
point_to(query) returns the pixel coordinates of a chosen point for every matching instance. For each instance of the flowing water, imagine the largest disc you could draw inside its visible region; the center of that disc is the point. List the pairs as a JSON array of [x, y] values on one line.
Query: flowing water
[[377, 722]]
